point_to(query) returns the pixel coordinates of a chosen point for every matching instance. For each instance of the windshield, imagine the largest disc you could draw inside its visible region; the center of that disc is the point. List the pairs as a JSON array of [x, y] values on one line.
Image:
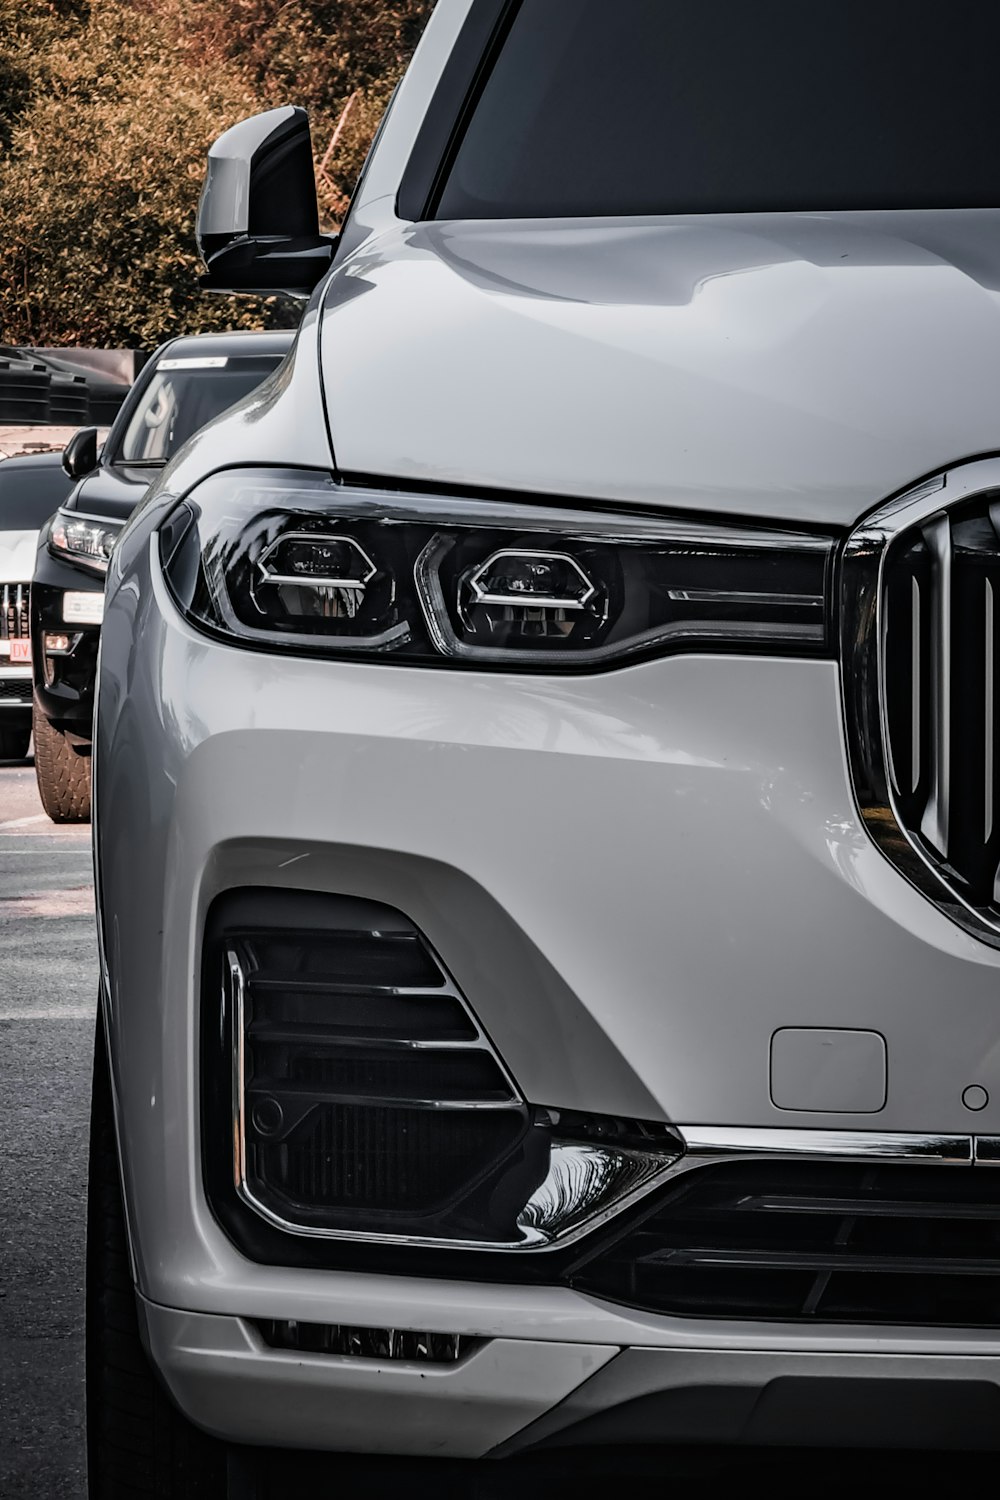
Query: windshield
[[29, 495], [181, 397], [715, 106]]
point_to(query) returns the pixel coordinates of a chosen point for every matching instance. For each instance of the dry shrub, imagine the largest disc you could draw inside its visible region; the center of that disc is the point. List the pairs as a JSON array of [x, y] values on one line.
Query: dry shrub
[[106, 112]]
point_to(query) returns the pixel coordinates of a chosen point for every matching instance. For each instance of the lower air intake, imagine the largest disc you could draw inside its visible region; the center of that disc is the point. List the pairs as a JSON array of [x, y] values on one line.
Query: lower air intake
[[825, 1242], [366, 1099]]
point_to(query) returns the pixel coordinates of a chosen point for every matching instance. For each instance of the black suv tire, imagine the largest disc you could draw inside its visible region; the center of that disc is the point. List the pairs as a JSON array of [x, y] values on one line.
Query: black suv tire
[[14, 744], [63, 776], [139, 1446]]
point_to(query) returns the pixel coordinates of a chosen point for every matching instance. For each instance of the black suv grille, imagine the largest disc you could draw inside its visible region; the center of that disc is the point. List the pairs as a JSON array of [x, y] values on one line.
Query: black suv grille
[[828, 1242]]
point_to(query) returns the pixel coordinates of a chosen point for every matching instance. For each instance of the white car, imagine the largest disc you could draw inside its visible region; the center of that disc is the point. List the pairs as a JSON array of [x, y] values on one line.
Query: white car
[[32, 487], [547, 774]]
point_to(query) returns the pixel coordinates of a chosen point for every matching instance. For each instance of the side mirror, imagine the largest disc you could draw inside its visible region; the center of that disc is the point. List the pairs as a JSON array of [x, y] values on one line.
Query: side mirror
[[258, 223], [80, 453]]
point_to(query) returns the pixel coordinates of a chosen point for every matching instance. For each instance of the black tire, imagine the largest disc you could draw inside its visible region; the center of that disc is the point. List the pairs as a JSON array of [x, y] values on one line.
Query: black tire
[[63, 776], [14, 744], [139, 1446]]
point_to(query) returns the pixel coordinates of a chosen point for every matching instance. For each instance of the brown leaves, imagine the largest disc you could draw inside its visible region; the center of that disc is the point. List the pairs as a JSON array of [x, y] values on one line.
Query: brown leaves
[[105, 117]]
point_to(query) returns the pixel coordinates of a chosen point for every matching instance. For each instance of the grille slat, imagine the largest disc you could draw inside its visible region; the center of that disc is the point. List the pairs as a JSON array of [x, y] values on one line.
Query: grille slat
[[937, 670], [14, 614], [935, 819], [812, 1241]]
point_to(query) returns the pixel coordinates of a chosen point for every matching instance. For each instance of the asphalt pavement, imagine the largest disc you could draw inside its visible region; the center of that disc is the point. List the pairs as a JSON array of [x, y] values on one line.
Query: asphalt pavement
[[48, 989]]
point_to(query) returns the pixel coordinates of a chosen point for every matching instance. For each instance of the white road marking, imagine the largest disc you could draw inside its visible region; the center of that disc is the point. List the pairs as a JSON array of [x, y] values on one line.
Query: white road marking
[[23, 822]]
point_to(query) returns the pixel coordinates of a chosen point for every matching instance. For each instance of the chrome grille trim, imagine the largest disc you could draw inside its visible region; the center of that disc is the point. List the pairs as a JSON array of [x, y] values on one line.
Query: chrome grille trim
[[14, 621], [931, 815]]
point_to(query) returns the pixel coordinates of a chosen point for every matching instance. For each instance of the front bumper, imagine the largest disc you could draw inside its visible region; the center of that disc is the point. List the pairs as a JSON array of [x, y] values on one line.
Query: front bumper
[[512, 1396], [637, 879], [15, 697], [64, 685]]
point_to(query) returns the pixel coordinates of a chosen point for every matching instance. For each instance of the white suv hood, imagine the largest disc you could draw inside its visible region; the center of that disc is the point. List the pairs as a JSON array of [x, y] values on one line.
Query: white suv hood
[[797, 366], [17, 555]]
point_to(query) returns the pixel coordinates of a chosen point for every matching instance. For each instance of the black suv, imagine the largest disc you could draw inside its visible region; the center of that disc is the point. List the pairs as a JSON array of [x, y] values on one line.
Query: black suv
[[187, 383]]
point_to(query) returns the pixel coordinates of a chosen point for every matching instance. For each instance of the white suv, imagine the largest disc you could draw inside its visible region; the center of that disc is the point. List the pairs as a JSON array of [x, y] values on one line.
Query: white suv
[[547, 773]]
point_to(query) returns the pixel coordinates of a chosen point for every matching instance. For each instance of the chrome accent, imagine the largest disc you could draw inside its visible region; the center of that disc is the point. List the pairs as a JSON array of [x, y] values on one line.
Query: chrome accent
[[709, 1143], [531, 601], [14, 621], [359, 584], [919, 853], [587, 1184], [934, 824], [915, 670], [745, 596], [989, 673]]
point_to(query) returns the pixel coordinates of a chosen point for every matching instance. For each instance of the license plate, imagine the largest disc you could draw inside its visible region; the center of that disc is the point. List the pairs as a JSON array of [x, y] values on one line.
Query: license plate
[[20, 650]]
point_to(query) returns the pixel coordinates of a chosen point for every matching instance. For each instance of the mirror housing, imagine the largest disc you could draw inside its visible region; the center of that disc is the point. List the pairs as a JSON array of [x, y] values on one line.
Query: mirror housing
[[258, 222], [80, 453]]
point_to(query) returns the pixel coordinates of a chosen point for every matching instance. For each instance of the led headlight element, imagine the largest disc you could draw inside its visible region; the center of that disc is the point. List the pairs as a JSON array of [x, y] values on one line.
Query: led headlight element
[[292, 560], [83, 539]]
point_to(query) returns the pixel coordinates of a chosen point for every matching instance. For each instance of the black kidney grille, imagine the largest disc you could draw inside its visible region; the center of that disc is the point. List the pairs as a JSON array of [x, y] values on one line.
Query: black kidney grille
[[366, 1087], [940, 657], [826, 1242]]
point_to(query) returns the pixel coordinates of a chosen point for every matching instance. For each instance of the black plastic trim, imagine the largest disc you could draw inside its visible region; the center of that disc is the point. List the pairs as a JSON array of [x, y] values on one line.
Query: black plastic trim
[[468, 66]]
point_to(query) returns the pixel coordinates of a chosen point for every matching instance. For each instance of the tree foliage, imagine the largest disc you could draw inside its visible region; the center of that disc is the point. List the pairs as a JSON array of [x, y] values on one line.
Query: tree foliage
[[106, 111]]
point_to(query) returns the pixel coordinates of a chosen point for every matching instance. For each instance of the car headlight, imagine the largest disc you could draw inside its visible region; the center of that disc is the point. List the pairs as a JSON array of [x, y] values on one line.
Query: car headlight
[[295, 561], [83, 539]]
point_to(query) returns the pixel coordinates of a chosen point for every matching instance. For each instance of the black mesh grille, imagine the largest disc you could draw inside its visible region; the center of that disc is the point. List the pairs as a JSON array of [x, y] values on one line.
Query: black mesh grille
[[828, 1242], [15, 690], [384, 1159]]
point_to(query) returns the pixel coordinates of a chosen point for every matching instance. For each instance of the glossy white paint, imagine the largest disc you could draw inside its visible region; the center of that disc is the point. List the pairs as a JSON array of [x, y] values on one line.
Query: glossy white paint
[[638, 877], [227, 1380], [791, 366], [640, 967]]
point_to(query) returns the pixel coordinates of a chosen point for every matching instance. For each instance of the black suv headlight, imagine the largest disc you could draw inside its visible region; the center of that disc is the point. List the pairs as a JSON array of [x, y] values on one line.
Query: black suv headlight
[[293, 560], [84, 540]]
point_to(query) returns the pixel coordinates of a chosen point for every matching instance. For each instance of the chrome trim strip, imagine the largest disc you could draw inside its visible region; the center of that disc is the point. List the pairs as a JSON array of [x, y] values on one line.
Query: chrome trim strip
[[709, 1142], [915, 690], [863, 624], [935, 820]]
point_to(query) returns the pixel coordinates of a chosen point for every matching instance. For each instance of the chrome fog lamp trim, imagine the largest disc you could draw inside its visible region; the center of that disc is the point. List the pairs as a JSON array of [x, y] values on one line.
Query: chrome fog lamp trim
[[586, 1185]]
